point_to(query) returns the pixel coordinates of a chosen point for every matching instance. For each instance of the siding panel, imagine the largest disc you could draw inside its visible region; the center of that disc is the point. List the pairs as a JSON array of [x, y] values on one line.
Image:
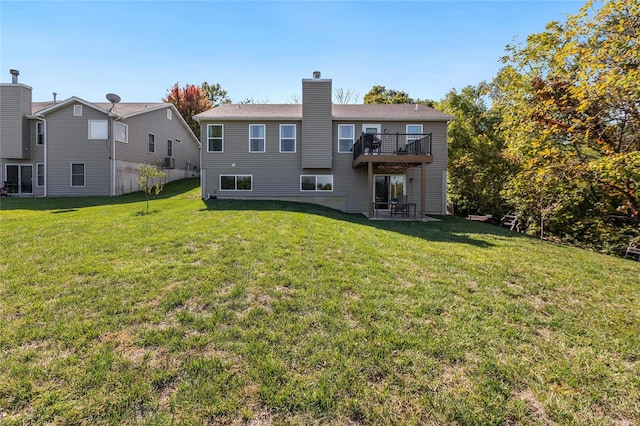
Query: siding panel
[[15, 103], [68, 142]]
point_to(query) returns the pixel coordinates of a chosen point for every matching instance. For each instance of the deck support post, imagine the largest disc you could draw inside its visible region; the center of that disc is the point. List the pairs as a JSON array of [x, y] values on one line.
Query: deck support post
[[370, 180], [423, 185]]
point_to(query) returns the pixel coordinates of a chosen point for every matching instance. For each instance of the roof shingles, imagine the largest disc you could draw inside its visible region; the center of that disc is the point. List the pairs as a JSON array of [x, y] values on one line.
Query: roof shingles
[[387, 112]]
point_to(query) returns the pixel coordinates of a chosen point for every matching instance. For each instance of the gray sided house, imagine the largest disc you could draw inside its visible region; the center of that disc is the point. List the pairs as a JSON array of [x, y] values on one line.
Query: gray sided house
[[78, 148], [354, 158]]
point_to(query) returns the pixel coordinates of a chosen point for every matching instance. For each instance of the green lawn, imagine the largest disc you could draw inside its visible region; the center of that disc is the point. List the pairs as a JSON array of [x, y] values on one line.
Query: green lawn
[[278, 313]]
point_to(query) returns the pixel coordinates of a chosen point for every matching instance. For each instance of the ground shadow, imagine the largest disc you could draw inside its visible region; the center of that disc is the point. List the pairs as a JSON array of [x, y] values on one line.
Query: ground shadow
[[447, 229], [68, 204]]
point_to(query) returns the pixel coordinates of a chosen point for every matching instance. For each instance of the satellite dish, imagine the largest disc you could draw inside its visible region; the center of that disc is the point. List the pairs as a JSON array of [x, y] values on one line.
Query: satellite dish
[[113, 98]]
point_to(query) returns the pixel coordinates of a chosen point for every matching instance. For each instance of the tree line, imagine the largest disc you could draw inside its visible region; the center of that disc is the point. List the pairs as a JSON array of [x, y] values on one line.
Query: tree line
[[554, 137]]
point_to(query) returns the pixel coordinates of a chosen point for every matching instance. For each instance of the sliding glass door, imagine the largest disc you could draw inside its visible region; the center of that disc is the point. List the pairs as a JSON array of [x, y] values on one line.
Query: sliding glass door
[[19, 178], [387, 188]]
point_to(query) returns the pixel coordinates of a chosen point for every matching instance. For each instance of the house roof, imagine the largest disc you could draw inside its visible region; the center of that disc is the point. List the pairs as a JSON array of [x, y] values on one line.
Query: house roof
[[123, 109], [131, 108], [386, 112]]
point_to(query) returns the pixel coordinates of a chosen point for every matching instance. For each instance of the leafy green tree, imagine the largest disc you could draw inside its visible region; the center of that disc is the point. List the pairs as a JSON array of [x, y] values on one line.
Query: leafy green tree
[[380, 95], [477, 170], [569, 103], [150, 180], [215, 94], [189, 101]]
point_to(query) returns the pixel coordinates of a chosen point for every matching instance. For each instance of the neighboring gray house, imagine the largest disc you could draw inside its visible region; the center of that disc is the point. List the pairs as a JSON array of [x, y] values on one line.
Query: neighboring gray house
[[78, 148], [354, 158]]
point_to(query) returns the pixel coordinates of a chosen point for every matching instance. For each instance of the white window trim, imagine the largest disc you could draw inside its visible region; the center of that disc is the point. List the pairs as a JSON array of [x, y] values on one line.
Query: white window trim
[[19, 166], [236, 183], [44, 173], [295, 136], [264, 139], [39, 125], [126, 131], [409, 135], [77, 110], [222, 138], [377, 126], [154, 143], [353, 139], [99, 138], [169, 114], [84, 175], [316, 184]]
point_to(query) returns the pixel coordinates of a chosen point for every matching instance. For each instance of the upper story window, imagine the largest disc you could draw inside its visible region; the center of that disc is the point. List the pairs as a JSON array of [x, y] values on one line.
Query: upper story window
[[346, 134], [122, 132], [98, 129], [316, 183], [77, 110], [39, 133], [152, 142], [215, 137], [256, 138], [169, 114], [414, 132], [169, 148], [287, 138]]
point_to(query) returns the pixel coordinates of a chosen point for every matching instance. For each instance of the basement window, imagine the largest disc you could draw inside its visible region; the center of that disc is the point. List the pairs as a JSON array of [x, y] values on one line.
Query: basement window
[[316, 183], [236, 182]]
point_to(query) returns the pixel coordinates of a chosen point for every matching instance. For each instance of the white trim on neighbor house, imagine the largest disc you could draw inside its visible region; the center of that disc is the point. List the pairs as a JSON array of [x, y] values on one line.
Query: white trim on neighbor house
[[39, 133], [151, 147], [40, 183], [235, 182], [98, 130], [351, 140], [258, 138], [77, 110], [19, 172], [84, 175], [169, 114], [211, 139], [283, 139], [324, 180], [118, 133]]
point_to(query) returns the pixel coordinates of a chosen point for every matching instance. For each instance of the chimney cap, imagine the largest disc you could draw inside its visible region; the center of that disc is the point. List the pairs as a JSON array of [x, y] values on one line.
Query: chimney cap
[[14, 72], [316, 75]]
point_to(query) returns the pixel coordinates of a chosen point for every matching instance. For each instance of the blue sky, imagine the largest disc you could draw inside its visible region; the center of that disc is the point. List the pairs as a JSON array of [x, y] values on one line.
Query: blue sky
[[261, 50]]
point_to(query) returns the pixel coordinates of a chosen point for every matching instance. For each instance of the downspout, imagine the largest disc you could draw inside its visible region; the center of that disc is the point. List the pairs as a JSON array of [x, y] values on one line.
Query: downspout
[[46, 150], [46, 145], [113, 157]]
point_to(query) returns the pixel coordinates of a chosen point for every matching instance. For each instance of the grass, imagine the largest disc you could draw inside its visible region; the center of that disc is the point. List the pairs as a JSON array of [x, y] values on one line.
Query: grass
[[239, 312]]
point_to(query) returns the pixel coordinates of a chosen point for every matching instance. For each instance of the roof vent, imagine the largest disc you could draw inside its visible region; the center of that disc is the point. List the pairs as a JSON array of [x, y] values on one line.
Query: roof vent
[[316, 75], [14, 76]]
